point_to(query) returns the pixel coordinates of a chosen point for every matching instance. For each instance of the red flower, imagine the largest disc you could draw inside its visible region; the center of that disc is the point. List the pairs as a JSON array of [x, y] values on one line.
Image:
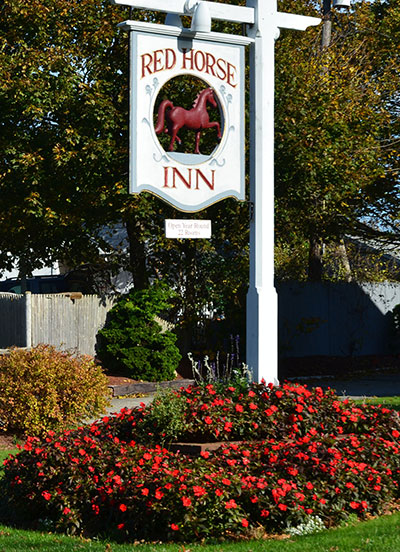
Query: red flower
[[145, 491], [46, 495], [186, 501], [123, 507], [253, 406], [245, 523], [264, 513], [354, 505], [159, 494], [121, 526], [226, 481], [198, 491], [174, 527], [208, 420], [204, 453], [230, 504], [66, 511], [282, 507]]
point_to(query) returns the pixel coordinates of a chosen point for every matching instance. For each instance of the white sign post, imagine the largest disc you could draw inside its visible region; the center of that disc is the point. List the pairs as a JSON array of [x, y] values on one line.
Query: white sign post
[[264, 24]]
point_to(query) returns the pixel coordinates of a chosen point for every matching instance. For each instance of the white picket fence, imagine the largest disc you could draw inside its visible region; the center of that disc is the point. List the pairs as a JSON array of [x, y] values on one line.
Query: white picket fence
[[67, 321]]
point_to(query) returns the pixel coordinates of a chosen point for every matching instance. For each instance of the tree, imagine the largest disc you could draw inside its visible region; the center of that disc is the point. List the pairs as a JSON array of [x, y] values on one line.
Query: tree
[[64, 167], [63, 129], [336, 129]]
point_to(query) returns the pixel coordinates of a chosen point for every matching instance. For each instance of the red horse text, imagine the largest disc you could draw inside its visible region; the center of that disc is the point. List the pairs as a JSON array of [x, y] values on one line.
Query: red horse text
[[191, 60]]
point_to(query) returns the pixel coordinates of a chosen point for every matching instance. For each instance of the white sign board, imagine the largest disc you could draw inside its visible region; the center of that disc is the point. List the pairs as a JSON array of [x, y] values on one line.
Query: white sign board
[[181, 229], [189, 180]]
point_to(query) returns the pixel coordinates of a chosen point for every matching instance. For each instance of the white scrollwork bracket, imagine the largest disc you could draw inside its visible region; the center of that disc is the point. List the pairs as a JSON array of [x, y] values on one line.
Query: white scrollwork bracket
[[190, 6]]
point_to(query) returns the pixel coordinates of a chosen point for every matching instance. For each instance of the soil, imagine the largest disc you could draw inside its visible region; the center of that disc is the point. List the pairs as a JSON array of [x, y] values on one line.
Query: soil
[[120, 380], [7, 441]]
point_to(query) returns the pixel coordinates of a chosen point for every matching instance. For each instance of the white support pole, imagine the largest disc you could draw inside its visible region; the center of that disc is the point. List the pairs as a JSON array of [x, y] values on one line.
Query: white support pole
[[262, 302], [262, 340]]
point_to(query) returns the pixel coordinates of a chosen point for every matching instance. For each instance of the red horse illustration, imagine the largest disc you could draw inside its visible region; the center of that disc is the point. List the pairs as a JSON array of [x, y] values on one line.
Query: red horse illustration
[[196, 118]]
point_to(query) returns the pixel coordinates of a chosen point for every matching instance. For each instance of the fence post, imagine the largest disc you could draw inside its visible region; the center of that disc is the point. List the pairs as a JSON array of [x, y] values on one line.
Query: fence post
[[28, 319]]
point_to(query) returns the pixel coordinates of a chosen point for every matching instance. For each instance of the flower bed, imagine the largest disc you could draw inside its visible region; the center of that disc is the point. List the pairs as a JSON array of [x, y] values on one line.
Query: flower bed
[[303, 453]]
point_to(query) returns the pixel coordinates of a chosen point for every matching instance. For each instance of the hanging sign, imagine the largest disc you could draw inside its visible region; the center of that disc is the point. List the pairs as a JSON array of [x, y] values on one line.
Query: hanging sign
[[187, 116]]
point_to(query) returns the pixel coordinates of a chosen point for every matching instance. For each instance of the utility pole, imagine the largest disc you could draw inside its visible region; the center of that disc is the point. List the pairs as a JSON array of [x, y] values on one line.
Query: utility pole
[[326, 24], [316, 247]]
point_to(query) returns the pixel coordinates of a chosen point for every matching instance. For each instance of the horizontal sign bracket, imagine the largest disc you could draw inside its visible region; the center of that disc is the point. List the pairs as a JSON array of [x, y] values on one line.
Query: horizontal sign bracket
[[169, 30], [225, 12]]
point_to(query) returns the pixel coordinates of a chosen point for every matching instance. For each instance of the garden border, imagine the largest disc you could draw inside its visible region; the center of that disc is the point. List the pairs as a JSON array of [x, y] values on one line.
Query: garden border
[[148, 386]]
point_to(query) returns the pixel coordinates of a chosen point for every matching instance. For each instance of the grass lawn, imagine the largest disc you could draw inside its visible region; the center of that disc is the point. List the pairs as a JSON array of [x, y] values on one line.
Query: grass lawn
[[389, 402], [5, 453], [378, 535]]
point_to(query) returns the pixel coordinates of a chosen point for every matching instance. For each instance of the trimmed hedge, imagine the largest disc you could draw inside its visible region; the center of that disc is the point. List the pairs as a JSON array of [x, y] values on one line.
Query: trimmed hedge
[[133, 343]]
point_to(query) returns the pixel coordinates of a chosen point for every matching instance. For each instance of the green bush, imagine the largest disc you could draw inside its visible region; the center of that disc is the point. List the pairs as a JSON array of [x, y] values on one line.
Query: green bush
[[133, 343], [44, 389]]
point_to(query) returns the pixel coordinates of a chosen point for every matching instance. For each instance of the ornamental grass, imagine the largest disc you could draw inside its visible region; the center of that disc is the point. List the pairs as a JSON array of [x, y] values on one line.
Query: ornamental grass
[[289, 455]]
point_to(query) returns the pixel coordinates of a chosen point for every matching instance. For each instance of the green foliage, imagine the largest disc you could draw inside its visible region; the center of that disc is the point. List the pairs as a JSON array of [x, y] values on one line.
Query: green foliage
[[133, 343], [44, 389], [337, 127], [165, 419], [365, 264], [63, 103]]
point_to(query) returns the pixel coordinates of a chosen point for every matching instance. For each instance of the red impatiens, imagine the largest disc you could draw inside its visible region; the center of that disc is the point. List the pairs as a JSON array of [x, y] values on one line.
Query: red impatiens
[[299, 452]]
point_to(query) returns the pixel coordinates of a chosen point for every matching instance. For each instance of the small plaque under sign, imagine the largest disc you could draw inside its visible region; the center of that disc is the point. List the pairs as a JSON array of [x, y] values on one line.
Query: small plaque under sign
[[181, 229]]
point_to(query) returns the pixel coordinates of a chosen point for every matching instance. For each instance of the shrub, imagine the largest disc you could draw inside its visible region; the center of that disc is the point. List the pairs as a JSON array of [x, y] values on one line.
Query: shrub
[[326, 460], [44, 389], [133, 343], [217, 412]]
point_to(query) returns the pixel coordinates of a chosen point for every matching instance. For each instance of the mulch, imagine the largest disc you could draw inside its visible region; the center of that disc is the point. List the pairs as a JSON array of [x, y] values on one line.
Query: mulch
[[7, 441]]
